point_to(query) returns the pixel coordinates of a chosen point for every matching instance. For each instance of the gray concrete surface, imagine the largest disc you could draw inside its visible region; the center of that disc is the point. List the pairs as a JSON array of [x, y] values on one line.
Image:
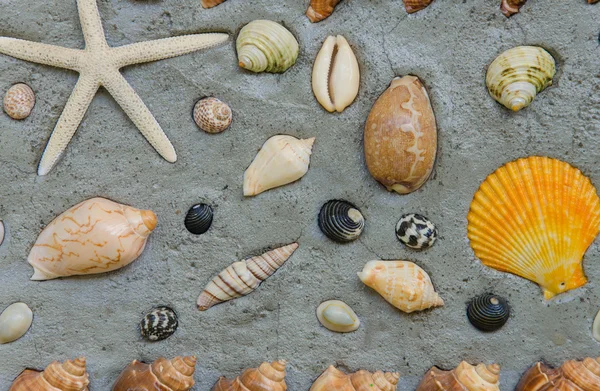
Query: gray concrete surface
[[448, 46]]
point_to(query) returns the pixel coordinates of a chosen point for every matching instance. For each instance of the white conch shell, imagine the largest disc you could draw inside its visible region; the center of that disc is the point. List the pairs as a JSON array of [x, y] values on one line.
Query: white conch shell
[[337, 316], [335, 76], [281, 160], [15, 320], [95, 236], [243, 277], [401, 283]]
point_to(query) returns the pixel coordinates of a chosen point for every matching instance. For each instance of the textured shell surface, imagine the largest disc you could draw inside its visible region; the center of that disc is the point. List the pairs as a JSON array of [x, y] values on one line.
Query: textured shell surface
[[596, 327], [68, 376], [212, 115], [488, 312], [2, 232], [95, 236], [517, 75], [211, 3], [403, 284], [243, 277], [413, 6], [536, 217], [341, 221], [269, 376], [320, 9], [199, 219], [335, 380], [416, 231], [335, 75], [15, 320], [158, 324], [266, 46], [573, 375], [336, 315], [511, 7], [465, 377], [19, 101], [401, 136], [281, 160], [164, 375]]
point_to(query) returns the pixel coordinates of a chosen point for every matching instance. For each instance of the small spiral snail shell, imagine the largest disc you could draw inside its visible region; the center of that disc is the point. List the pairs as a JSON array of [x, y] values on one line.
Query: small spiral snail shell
[[212, 115], [159, 324], [416, 231], [269, 376], [510, 7], [68, 376], [341, 221], [199, 219], [320, 9], [488, 312], [19, 101]]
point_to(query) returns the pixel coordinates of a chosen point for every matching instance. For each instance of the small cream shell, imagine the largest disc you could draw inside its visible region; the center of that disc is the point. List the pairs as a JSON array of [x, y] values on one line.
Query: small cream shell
[[596, 327], [336, 315], [15, 320], [1, 232]]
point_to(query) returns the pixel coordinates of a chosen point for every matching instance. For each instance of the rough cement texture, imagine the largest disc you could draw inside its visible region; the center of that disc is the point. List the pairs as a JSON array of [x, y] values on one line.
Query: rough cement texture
[[448, 45]]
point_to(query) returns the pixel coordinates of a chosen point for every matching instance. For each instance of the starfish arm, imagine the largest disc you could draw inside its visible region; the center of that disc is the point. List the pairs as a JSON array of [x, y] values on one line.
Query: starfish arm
[[139, 114], [141, 52], [40, 53], [91, 24], [69, 121]]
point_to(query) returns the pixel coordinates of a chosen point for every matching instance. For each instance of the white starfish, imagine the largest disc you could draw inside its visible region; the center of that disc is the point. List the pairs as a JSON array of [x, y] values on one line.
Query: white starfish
[[98, 65]]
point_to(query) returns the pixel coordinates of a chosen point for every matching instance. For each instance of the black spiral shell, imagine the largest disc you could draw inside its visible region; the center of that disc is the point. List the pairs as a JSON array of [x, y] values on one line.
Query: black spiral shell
[[158, 324], [199, 219], [341, 221], [488, 312]]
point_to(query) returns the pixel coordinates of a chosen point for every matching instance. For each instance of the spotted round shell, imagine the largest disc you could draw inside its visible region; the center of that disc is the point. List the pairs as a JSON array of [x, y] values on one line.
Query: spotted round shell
[[212, 115], [416, 231], [158, 324], [488, 312], [19, 101]]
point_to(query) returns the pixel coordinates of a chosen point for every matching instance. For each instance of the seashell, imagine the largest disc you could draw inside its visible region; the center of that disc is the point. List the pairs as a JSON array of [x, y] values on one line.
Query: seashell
[[335, 76], [281, 160], [596, 327], [402, 284], [336, 315], [211, 3], [159, 324], [15, 320], [212, 115], [68, 376], [413, 6], [571, 376], [510, 7], [465, 377], [341, 221], [320, 9], [266, 46], [19, 101], [168, 375], [535, 217], [243, 277], [94, 236], [267, 377], [516, 76], [401, 136], [335, 380], [488, 312], [592, 1], [1, 232], [199, 219], [416, 231]]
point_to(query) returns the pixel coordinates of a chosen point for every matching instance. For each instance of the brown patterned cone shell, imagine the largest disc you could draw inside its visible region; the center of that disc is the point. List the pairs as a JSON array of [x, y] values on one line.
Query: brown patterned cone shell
[[211, 3], [401, 137], [573, 375], [320, 9], [162, 375], [68, 376], [212, 115], [465, 377], [267, 377], [511, 7], [335, 380], [413, 6], [243, 277], [19, 101]]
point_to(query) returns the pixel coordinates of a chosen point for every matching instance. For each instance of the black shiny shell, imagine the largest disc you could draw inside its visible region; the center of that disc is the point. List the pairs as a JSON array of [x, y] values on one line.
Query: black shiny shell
[[341, 221], [488, 312], [158, 324], [199, 219]]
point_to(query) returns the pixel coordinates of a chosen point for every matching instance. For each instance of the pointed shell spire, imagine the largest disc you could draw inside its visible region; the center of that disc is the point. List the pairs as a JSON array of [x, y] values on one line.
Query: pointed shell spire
[[320, 9], [465, 377], [572, 375], [335, 380], [510, 7], [267, 377], [68, 376], [169, 375]]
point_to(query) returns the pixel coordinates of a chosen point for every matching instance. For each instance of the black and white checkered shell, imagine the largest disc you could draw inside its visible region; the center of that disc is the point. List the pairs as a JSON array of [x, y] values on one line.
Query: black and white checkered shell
[[416, 231], [158, 324]]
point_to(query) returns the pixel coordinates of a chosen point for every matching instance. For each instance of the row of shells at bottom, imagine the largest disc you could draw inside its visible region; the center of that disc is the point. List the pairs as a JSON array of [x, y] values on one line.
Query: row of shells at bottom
[[177, 374]]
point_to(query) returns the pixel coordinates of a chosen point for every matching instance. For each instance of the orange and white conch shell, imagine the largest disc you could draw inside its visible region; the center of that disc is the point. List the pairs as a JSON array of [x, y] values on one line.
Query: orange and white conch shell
[[536, 217], [164, 375], [267, 377], [320, 9], [95, 236], [68, 376], [571, 376], [335, 380], [402, 284], [413, 6], [510, 7], [465, 377], [243, 277]]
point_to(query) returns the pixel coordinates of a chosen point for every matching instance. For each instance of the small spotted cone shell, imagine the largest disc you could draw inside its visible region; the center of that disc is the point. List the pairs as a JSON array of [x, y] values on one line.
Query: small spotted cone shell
[[168, 375], [510, 7], [571, 376], [335, 380], [267, 377], [211, 3], [413, 6], [212, 115], [320, 9], [465, 377], [68, 376], [19, 101], [243, 277]]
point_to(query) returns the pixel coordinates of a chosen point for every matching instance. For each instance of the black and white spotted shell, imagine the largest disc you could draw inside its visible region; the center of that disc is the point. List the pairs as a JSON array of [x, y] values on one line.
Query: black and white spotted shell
[[341, 221], [158, 324], [199, 219], [488, 312], [416, 231]]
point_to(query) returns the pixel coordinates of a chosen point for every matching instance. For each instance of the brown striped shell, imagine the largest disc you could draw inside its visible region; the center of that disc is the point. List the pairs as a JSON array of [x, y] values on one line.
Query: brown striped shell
[[212, 115], [164, 375], [571, 376], [19, 101], [320, 9], [335, 380], [267, 377], [413, 6], [510, 7], [465, 377], [68, 376]]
